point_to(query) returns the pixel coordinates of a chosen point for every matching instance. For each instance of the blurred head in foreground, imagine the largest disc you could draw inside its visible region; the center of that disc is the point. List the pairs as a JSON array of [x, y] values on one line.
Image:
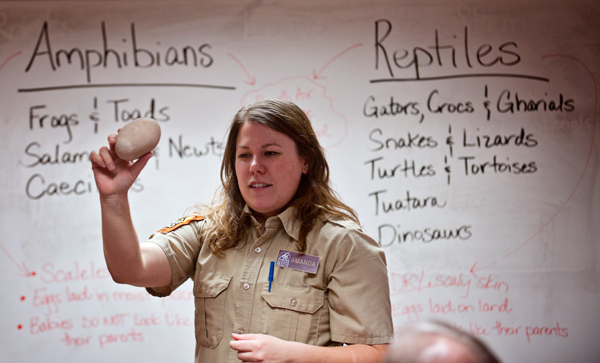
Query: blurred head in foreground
[[437, 342]]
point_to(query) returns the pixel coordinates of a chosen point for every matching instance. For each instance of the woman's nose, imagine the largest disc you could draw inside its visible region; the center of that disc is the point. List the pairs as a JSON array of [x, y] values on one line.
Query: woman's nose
[[257, 166]]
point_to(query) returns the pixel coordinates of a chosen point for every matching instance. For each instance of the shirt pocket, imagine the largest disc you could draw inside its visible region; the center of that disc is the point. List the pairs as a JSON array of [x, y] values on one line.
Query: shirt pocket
[[293, 312], [210, 292]]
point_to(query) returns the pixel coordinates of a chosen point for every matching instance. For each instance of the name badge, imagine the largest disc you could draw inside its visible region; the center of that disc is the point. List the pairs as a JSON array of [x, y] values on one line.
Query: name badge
[[297, 261]]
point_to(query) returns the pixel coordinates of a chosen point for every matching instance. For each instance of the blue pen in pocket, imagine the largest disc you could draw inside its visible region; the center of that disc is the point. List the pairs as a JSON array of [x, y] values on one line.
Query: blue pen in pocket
[[271, 269]]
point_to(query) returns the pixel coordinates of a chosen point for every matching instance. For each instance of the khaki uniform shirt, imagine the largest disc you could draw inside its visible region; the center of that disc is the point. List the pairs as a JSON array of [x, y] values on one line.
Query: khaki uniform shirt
[[345, 301]]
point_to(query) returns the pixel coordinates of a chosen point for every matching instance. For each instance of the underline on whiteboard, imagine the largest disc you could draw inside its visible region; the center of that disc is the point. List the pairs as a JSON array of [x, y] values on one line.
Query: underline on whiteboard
[[478, 75], [114, 85]]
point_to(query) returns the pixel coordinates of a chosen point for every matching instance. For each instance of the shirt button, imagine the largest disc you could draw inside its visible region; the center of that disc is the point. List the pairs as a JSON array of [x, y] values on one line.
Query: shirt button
[[294, 302], [240, 331], [246, 286], [257, 250]]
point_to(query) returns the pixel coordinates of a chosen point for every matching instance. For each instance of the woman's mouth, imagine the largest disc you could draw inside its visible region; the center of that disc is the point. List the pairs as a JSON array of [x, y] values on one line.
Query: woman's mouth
[[258, 185]]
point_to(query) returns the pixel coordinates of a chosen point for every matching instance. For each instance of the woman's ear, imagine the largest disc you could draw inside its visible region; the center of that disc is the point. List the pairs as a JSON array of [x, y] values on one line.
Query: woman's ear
[[304, 166]]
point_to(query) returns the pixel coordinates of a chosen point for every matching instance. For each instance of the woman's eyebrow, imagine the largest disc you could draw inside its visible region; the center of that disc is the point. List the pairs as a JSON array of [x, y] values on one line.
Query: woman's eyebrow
[[262, 147]]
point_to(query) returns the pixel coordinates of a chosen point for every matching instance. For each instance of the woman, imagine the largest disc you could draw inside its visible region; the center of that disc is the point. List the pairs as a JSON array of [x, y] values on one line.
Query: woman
[[329, 286]]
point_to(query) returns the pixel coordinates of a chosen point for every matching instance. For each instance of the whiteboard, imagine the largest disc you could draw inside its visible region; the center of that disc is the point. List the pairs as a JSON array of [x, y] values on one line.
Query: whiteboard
[[463, 133]]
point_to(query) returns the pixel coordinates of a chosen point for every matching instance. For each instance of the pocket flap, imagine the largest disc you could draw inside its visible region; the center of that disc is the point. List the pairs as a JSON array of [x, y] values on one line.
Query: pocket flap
[[303, 299], [210, 284]]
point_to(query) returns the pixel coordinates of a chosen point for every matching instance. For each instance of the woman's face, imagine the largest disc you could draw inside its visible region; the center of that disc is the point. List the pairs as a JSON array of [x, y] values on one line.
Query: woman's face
[[268, 168]]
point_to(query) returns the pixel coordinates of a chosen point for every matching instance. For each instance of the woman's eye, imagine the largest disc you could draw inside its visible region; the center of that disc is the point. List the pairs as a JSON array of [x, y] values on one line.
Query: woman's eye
[[271, 153], [243, 156]]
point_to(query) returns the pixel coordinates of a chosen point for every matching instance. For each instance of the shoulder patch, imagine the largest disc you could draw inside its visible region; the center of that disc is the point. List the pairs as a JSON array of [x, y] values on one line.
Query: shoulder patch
[[180, 222]]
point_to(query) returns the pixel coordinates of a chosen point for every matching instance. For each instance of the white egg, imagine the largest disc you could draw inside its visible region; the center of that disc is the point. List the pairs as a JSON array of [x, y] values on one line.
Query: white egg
[[137, 138]]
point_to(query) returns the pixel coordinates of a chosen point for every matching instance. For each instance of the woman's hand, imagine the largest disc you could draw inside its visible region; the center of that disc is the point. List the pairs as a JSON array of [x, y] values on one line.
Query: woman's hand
[[261, 348], [113, 175], [265, 348]]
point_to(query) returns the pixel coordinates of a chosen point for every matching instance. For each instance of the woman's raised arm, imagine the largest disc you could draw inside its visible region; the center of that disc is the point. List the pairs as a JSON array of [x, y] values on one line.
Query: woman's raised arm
[[128, 261]]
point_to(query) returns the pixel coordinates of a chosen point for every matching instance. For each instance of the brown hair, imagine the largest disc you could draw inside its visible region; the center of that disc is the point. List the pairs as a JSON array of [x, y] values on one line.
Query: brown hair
[[314, 197]]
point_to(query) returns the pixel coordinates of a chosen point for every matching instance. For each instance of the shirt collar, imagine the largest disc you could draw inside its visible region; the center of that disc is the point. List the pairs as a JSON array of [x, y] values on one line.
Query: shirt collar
[[288, 219]]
